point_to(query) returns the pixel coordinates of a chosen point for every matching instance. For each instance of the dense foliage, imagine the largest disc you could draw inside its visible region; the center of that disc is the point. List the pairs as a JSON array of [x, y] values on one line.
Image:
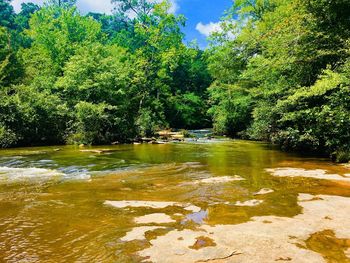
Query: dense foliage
[[95, 78], [281, 73], [279, 70]]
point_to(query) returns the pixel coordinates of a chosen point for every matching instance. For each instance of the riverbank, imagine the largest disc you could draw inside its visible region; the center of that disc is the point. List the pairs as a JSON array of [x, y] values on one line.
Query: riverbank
[[207, 136]]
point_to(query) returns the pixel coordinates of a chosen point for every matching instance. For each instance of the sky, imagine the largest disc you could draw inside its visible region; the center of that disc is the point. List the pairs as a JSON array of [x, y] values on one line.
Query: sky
[[202, 15]]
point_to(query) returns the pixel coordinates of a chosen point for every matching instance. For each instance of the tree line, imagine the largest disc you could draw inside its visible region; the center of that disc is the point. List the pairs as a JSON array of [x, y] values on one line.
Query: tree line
[[94, 79], [278, 71], [281, 73]]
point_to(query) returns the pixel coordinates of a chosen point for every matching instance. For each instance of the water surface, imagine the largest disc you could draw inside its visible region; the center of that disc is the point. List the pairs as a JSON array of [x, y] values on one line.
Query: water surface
[[52, 199]]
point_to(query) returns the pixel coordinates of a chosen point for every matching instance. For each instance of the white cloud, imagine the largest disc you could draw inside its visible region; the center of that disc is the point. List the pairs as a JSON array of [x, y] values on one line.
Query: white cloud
[[174, 7], [101, 6], [85, 6], [208, 29]]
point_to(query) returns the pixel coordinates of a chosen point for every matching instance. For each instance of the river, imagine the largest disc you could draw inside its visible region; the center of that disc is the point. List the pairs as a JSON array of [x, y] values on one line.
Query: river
[[219, 201]]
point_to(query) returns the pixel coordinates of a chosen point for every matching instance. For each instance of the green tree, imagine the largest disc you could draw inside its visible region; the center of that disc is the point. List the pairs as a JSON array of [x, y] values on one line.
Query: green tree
[[288, 58], [7, 14]]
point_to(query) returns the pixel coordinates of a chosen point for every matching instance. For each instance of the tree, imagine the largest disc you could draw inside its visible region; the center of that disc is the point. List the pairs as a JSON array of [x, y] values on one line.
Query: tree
[[60, 31], [7, 14], [22, 18], [10, 68], [288, 58]]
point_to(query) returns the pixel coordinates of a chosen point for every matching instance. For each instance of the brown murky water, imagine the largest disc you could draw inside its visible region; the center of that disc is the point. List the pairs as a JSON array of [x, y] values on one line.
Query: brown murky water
[[52, 199]]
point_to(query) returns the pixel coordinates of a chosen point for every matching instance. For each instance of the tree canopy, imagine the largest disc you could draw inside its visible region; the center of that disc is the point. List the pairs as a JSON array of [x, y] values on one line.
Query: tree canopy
[[278, 70], [285, 72], [96, 78]]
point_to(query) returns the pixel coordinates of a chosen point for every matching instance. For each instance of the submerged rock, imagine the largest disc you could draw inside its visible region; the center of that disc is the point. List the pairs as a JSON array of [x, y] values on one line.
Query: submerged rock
[[152, 204], [202, 242], [97, 151], [220, 179], [253, 202], [138, 233]]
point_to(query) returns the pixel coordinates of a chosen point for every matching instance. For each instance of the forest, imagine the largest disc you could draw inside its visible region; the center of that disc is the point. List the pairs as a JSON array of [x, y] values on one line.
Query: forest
[[277, 71]]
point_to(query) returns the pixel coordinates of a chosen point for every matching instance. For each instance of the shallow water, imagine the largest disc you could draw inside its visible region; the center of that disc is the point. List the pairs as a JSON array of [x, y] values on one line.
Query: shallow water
[[53, 199]]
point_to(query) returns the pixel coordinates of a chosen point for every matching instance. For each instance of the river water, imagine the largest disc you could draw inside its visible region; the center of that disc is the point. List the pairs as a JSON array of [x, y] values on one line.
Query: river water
[[219, 201]]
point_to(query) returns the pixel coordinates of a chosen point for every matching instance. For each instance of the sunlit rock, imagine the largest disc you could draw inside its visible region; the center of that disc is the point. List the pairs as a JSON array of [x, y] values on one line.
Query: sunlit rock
[[193, 208], [264, 191], [299, 172], [255, 241], [253, 202], [220, 179], [157, 218]]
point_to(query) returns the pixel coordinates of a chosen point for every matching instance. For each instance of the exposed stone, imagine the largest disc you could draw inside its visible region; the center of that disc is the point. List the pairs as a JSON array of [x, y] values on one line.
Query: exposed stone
[[255, 241], [264, 191], [253, 202], [193, 208], [157, 218], [220, 179], [298, 172]]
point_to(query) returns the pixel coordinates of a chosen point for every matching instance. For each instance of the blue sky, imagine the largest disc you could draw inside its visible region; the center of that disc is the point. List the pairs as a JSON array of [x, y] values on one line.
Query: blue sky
[[202, 15]]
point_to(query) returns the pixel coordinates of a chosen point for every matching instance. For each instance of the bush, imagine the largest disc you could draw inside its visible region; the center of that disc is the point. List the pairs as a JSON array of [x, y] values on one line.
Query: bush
[[91, 124], [7, 137], [341, 156]]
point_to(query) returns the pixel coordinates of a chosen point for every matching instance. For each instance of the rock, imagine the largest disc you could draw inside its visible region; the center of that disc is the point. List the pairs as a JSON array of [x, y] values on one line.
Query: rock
[[147, 139], [157, 218], [138, 233], [253, 202], [299, 172], [158, 142], [82, 145], [152, 204], [219, 179], [347, 253], [256, 241], [99, 151], [193, 208], [264, 191]]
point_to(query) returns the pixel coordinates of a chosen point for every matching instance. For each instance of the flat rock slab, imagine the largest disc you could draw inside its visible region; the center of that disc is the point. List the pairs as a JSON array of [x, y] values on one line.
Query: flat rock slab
[[299, 172], [138, 233], [221, 179], [264, 191], [282, 239], [157, 218]]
